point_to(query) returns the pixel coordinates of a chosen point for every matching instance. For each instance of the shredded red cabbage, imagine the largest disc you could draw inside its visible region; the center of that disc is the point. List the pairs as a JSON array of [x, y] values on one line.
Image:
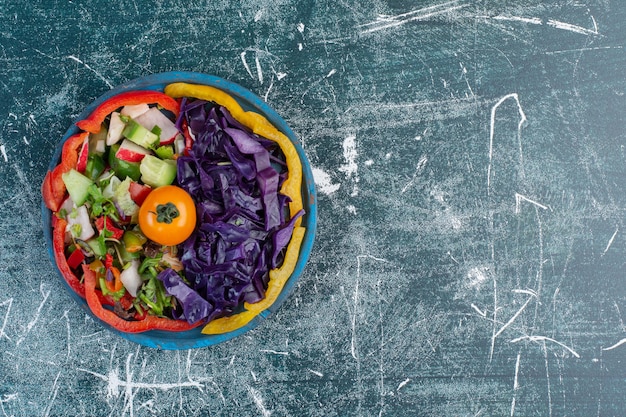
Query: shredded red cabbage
[[234, 177], [194, 307]]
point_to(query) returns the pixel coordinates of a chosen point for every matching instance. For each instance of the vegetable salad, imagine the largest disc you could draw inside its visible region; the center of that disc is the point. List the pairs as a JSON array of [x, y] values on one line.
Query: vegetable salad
[[174, 210]]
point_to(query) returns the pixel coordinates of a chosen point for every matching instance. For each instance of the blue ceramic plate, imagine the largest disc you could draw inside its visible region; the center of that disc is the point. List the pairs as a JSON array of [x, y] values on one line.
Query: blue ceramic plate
[[194, 338]]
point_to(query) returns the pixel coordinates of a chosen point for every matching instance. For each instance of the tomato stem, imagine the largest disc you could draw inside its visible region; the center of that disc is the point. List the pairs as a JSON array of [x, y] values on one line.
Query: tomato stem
[[166, 213]]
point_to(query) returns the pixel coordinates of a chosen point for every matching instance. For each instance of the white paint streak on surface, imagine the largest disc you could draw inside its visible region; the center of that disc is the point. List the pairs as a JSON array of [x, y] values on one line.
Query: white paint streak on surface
[[274, 352], [331, 73], [576, 50], [350, 167], [572, 28], [259, 70], [267, 93], [616, 345], [353, 348], [318, 373], [492, 130], [532, 293], [33, 322], [478, 310], [556, 24], [546, 339], [515, 384], [53, 396], [421, 163], [403, 383], [8, 397], [100, 76], [519, 198], [608, 245], [386, 22], [529, 20], [323, 181], [513, 318], [258, 400], [245, 64], [300, 27], [494, 314], [7, 303], [130, 387], [3, 151], [464, 74], [548, 383], [69, 338]]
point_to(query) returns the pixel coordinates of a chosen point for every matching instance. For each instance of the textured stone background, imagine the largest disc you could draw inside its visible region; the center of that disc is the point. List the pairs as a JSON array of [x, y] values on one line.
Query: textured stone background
[[470, 164]]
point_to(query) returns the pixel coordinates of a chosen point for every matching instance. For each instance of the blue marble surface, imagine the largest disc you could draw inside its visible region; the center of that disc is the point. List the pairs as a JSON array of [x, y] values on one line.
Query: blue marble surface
[[470, 164]]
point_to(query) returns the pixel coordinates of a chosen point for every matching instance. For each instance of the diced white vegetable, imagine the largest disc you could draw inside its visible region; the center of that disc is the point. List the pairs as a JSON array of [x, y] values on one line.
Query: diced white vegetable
[[131, 152], [135, 110], [100, 146], [153, 117], [80, 217], [131, 279], [116, 126], [179, 144], [191, 134], [68, 205]]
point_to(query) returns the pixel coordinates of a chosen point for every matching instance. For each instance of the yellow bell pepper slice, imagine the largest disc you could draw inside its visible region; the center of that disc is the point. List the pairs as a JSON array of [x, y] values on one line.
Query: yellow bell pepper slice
[[259, 125]]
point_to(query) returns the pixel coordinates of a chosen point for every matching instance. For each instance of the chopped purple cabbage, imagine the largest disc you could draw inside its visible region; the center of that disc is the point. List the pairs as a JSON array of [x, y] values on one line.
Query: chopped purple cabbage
[[195, 308], [243, 227]]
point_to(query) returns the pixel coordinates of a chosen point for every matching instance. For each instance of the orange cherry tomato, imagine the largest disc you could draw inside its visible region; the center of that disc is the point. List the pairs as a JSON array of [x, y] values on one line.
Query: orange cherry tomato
[[167, 215]]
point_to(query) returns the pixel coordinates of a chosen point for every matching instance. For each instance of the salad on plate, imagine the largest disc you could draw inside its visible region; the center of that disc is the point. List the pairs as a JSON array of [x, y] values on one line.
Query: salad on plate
[[177, 209]]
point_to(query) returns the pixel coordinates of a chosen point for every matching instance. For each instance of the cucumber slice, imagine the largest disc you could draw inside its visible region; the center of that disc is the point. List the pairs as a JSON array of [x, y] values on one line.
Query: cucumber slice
[[140, 135], [123, 169], [95, 166], [98, 247], [157, 172], [77, 186], [165, 152]]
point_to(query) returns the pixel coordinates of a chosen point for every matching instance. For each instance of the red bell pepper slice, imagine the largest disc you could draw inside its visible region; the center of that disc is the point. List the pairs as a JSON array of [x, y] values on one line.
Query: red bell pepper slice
[[83, 155], [71, 147], [139, 192], [108, 261], [52, 198], [76, 258], [116, 233], [118, 323], [58, 246], [53, 187], [187, 136], [93, 123]]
